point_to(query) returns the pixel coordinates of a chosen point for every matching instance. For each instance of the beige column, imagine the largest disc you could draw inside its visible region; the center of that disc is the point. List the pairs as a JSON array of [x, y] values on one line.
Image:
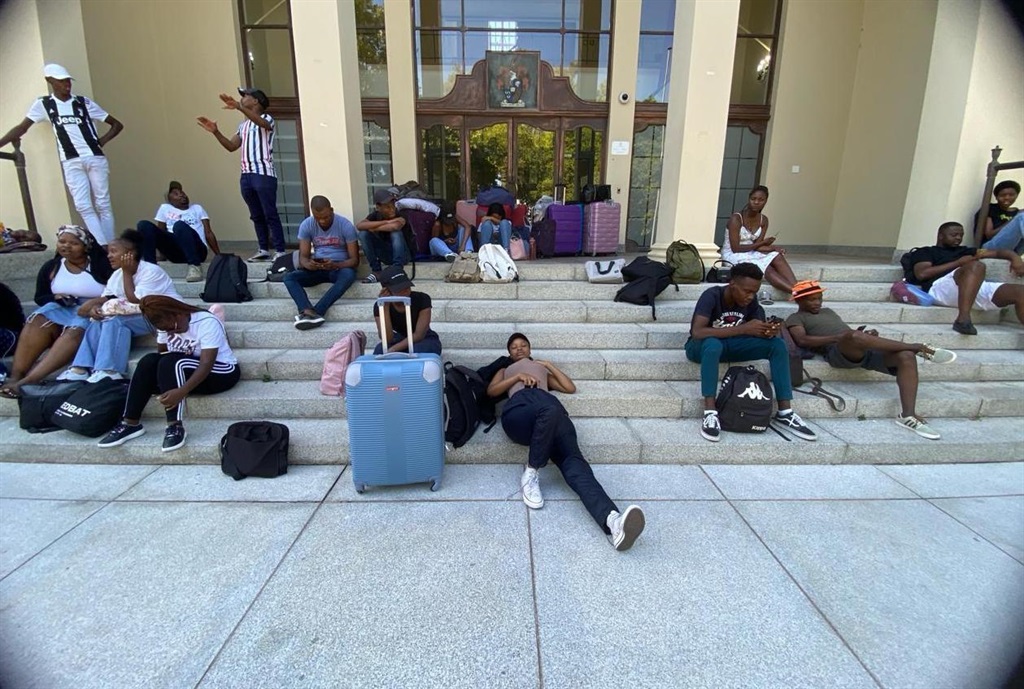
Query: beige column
[[698, 114], [625, 57], [401, 90], [327, 65]]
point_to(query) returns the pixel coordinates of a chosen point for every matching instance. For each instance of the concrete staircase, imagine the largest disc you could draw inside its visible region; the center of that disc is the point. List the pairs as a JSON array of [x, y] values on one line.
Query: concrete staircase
[[638, 396]]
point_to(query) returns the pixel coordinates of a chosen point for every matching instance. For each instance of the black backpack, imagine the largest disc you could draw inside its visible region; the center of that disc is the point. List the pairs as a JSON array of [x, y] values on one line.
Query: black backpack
[[744, 402], [93, 409], [282, 266], [226, 280], [489, 405], [38, 402], [464, 390], [254, 448], [645, 279]]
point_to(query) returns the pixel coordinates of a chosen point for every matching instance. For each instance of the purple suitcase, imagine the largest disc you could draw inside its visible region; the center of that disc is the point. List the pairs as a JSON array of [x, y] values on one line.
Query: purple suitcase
[[395, 416], [601, 227], [568, 228]]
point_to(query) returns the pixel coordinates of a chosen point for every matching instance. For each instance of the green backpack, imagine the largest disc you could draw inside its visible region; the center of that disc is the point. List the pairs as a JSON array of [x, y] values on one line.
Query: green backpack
[[687, 265]]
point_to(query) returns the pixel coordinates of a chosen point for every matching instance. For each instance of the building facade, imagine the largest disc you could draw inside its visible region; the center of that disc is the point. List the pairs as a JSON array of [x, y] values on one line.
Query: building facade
[[871, 121]]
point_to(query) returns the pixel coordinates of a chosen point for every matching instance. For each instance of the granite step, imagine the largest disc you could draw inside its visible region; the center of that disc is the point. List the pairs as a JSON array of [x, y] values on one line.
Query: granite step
[[602, 440]]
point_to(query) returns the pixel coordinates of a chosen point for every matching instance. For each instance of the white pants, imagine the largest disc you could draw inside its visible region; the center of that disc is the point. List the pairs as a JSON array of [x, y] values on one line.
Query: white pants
[[945, 290], [87, 180]]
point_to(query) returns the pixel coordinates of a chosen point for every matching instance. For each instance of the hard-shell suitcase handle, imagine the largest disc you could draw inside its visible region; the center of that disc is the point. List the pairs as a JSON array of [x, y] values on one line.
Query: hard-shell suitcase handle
[[386, 336]]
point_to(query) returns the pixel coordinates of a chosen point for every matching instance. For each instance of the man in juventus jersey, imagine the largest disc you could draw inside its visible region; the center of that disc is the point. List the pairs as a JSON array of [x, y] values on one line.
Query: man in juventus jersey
[[79, 146], [255, 137]]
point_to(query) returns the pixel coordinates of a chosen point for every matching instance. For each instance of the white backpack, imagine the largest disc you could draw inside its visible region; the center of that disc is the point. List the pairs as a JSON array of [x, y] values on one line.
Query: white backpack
[[496, 265]]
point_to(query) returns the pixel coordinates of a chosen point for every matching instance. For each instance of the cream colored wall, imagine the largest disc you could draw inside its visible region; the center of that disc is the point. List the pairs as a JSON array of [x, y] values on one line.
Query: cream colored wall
[[157, 81], [994, 114], [888, 94], [21, 81], [817, 62]]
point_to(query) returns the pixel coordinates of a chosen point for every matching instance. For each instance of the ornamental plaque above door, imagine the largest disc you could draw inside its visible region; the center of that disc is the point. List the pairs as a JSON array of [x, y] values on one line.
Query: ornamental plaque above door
[[513, 80]]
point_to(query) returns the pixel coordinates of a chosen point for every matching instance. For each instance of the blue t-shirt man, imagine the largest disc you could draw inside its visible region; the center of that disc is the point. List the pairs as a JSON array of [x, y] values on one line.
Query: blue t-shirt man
[[328, 252]]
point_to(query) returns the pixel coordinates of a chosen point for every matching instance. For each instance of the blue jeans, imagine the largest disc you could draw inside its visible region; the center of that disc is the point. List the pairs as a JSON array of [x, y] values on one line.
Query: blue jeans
[[383, 246], [504, 229], [107, 343], [260, 194], [709, 351], [438, 247], [180, 244], [430, 344], [296, 280], [1010, 236], [536, 418]]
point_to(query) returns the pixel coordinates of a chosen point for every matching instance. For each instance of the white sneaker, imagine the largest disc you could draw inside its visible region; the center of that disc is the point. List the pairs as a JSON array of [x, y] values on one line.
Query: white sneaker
[[938, 355], [626, 527], [72, 374], [259, 256], [917, 425], [97, 376], [195, 274], [279, 254], [530, 483]]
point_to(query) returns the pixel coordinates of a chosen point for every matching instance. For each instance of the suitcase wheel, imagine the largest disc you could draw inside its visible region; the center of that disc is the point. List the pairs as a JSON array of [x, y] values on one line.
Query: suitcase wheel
[[360, 488], [435, 485]]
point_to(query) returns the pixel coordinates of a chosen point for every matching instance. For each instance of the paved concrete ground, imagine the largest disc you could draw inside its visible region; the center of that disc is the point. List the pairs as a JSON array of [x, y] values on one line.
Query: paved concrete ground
[[747, 576]]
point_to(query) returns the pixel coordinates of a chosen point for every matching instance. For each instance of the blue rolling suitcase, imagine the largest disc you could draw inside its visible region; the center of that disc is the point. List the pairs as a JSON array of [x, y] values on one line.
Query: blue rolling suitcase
[[395, 419]]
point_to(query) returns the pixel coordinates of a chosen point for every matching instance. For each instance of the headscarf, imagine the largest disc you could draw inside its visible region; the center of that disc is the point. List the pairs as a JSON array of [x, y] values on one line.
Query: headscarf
[[80, 233]]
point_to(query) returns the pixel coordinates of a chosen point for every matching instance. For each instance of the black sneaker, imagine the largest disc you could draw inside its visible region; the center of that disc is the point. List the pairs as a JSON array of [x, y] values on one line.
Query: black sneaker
[[795, 425], [120, 434], [174, 437], [306, 322], [710, 429], [965, 328]]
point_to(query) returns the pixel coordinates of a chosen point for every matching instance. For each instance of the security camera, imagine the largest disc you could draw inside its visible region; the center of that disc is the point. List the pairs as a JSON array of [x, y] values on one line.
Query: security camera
[[623, 97]]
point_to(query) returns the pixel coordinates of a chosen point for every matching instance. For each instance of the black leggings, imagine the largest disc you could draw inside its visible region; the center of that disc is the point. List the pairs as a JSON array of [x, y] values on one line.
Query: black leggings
[[157, 373], [536, 418]]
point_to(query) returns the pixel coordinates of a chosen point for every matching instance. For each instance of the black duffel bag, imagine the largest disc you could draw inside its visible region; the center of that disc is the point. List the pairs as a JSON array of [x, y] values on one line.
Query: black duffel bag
[[38, 402], [254, 448], [93, 409]]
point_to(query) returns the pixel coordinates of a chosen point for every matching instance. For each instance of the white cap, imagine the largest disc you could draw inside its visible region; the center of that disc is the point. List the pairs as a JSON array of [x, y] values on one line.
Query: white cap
[[54, 71]]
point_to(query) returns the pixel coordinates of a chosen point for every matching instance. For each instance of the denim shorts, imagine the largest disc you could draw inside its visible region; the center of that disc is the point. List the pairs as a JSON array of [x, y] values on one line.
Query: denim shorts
[[64, 316]]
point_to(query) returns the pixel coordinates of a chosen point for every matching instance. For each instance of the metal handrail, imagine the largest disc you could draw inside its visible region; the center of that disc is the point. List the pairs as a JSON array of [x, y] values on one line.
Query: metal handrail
[[994, 167], [26, 197]]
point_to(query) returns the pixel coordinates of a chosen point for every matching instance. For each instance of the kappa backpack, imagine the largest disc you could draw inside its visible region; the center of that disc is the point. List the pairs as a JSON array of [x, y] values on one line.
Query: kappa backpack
[[686, 263], [336, 361], [93, 409], [283, 265], [496, 265], [744, 402], [645, 279], [464, 391], [226, 280], [254, 448]]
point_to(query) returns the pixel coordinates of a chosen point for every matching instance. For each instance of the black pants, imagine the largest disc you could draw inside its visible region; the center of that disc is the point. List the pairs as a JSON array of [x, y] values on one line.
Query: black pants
[[179, 244], [157, 373], [537, 419]]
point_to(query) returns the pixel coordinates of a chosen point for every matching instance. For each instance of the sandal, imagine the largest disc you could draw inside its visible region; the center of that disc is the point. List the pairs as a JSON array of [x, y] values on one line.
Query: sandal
[[10, 393], [370, 279]]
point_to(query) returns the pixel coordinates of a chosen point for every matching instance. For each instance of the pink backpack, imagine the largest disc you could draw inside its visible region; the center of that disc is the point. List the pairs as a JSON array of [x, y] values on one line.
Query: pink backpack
[[517, 249], [336, 361]]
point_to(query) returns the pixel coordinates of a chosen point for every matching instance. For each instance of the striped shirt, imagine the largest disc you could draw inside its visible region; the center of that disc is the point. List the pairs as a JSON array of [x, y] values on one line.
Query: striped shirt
[[257, 147]]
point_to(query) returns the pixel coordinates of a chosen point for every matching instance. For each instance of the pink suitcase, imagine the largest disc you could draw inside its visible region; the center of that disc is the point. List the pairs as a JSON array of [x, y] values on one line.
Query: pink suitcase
[[601, 227]]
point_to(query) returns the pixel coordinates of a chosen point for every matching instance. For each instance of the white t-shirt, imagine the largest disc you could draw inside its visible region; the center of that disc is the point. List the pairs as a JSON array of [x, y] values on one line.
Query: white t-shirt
[[81, 285], [193, 216], [65, 109], [149, 279], [205, 331]]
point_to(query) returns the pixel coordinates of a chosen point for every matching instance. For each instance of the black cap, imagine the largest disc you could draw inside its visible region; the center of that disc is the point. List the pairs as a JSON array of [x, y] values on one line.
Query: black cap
[[260, 97], [395, 279], [383, 196], [174, 185]]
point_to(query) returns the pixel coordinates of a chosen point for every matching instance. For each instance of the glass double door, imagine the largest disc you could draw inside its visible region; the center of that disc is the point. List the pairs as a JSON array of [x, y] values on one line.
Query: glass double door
[[531, 156]]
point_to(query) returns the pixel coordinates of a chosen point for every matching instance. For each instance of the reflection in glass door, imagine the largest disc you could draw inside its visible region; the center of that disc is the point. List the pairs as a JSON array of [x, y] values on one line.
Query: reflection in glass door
[[291, 201], [535, 162], [488, 157], [581, 159]]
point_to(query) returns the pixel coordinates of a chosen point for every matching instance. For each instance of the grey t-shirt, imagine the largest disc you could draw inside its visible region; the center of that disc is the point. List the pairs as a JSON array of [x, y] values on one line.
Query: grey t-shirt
[[822, 324]]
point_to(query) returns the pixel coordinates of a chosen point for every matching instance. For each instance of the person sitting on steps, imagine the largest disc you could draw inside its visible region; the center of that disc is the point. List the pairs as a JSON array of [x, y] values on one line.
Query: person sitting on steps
[[729, 325], [534, 417], [382, 235], [954, 276], [495, 221], [395, 283], [328, 252], [747, 241], [1004, 223], [79, 271], [181, 232], [822, 331], [449, 238], [193, 356]]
